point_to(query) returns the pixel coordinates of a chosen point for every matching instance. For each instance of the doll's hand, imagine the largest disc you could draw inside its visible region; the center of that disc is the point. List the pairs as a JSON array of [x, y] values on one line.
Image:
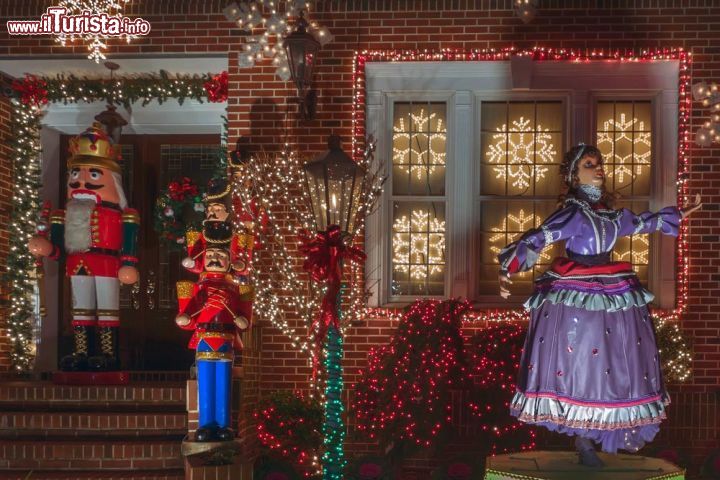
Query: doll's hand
[[504, 282], [188, 262], [127, 274], [182, 320], [40, 246], [241, 322], [689, 208]]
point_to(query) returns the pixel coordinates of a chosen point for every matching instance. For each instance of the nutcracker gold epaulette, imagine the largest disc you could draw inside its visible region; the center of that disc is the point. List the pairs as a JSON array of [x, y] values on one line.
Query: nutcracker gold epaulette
[[130, 215], [191, 238], [184, 289], [247, 292], [57, 216]]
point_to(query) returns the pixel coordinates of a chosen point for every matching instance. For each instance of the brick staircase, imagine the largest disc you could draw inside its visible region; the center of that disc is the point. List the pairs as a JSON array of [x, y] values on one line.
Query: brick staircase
[[92, 432]]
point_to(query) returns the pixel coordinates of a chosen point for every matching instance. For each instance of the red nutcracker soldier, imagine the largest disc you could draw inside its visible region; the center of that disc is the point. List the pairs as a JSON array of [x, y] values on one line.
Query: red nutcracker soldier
[[215, 309], [96, 234]]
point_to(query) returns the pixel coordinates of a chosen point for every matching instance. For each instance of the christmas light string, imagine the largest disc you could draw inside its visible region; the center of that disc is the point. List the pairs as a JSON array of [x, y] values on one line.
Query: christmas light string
[[21, 273], [677, 363]]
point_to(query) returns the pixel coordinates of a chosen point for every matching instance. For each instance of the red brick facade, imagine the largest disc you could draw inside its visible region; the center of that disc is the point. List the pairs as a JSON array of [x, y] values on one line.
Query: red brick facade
[[5, 208], [257, 106]]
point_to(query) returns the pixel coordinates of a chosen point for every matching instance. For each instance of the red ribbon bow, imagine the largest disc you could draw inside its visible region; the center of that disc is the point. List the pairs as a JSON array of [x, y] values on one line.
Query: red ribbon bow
[[178, 189], [32, 90], [325, 253], [217, 88]]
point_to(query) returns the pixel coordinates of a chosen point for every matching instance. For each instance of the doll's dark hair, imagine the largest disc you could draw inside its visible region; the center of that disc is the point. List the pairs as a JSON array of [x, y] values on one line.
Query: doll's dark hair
[[569, 180]]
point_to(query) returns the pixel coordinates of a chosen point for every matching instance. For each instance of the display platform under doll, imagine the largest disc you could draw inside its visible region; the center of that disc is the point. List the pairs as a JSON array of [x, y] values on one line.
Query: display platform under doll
[[590, 366], [96, 234], [217, 311]]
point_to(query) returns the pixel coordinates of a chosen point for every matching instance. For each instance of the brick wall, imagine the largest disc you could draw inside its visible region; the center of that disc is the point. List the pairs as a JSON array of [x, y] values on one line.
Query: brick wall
[[5, 209], [257, 107]]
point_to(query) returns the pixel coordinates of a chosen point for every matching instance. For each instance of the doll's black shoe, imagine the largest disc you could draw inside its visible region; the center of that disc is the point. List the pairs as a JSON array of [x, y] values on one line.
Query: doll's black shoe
[[108, 358], [76, 362], [224, 434], [204, 435], [102, 363]]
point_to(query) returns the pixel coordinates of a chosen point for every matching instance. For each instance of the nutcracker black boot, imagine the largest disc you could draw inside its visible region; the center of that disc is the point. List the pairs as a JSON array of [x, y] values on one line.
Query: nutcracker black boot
[[108, 359], [78, 360]]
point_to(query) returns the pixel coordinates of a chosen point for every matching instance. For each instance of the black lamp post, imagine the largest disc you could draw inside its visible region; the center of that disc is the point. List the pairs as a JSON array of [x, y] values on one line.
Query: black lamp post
[[301, 49], [335, 184]]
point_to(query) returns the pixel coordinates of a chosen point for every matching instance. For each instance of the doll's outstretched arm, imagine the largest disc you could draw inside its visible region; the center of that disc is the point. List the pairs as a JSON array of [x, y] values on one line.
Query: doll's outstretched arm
[[523, 253]]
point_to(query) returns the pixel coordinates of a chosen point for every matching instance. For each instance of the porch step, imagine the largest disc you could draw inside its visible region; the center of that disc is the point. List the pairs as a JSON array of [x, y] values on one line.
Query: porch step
[[170, 474], [91, 454], [101, 431], [22, 424], [43, 396]]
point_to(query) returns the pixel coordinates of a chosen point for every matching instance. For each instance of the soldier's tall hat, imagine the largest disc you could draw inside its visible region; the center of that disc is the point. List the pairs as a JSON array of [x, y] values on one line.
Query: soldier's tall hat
[[218, 191], [94, 148], [217, 234]]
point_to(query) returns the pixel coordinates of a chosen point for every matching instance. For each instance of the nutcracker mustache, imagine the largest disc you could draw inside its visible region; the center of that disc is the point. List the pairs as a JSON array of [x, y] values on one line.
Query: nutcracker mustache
[[77, 225], [214, 263]]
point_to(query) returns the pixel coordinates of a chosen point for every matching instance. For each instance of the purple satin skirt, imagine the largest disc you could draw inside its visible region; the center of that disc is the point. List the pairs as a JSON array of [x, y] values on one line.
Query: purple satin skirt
[[590, 364]]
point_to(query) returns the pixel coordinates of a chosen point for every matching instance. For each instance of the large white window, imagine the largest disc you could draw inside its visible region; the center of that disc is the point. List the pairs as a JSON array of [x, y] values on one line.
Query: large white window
[[473, 163]]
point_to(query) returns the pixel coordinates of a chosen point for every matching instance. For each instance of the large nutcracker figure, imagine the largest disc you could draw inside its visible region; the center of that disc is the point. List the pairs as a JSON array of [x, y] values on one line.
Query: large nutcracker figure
[[217, 311], [96, 234]]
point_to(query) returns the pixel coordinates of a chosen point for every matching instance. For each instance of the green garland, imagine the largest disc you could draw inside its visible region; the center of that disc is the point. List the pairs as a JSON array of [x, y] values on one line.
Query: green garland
[[20, 271], [25, 124], [127, 90]]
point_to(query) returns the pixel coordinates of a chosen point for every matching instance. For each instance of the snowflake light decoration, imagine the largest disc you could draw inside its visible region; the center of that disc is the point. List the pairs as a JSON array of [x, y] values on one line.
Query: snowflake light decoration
[[431, 157], [638, 254], [524, 149], [624, 128], [419, 244], [96, 41], [520, 223]]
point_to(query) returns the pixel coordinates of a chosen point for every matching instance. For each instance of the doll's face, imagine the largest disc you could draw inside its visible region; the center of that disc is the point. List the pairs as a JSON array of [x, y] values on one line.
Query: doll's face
[[92, 183], [216, 211], [216, 260], [590, 171]]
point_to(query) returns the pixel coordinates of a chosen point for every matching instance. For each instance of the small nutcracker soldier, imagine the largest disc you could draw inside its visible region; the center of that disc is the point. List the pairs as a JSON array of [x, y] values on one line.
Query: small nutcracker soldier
[[218, 205], [96, 234], [217, 311]]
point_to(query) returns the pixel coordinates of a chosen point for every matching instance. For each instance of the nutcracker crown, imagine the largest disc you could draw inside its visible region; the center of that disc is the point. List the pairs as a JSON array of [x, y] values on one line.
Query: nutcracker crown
[[94, 148]]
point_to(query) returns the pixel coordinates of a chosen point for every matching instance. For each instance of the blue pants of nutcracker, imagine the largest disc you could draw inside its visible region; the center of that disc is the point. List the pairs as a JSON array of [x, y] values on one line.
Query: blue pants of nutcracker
[[214, 392], [214, 376]]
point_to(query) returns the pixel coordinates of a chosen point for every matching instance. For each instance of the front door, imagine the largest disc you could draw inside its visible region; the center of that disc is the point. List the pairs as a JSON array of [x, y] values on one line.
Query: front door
[[149, 338]]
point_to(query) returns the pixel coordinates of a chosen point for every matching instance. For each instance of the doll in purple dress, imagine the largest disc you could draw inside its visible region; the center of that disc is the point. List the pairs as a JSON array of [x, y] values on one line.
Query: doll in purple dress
[[590, 365]]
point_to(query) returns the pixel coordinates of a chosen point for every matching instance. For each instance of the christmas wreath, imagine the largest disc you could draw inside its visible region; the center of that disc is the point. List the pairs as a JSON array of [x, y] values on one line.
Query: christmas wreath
[[179, 208]]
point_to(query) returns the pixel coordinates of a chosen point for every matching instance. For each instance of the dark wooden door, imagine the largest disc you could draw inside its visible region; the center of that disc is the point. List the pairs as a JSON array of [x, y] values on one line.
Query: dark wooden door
[[149, 338]]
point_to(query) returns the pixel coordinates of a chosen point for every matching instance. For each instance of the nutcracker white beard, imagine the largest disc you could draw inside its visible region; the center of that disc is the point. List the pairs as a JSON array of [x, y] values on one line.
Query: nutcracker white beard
[[77, 225]]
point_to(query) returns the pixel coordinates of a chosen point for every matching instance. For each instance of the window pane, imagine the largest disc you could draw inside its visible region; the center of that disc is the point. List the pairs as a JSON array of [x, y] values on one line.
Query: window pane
[[624, 137], [418, 248], [419, 148], [503, 222], [521, 147], [634, 249]]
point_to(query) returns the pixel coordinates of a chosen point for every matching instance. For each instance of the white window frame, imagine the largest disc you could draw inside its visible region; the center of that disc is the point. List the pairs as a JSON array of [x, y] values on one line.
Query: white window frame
[[463, 85]]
